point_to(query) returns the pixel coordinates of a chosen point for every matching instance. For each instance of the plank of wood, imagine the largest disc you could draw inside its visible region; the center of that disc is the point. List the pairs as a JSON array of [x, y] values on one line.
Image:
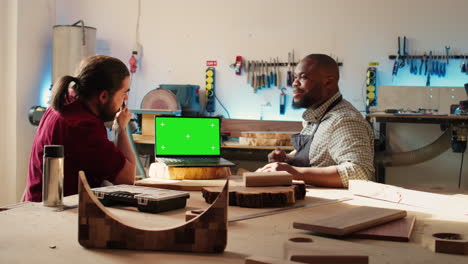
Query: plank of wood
[[349, 220], [306, 250], [261, 179], [267, 260], [182, 185], [264, 141], [450, 243], [330, 259], [398, 230], [258, 197], [236, 126], [268, 134]]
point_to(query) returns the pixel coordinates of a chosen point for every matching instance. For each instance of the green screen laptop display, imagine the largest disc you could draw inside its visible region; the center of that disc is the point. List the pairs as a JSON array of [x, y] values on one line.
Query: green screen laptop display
[[187, 136]]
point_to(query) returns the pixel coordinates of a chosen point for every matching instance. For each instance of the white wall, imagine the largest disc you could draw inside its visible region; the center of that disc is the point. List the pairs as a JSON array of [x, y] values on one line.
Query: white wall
[[28, 55], [8, 108]]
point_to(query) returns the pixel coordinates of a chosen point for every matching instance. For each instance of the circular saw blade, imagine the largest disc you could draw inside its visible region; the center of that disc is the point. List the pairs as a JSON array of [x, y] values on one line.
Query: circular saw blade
[[160, 99]]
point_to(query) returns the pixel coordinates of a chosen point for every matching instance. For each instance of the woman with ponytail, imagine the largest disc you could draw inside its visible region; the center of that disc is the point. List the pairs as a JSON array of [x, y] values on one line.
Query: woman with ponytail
[[79, 107]]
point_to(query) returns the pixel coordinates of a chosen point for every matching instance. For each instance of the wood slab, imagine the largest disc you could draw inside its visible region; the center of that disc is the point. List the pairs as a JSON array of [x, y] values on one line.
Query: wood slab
[[349, 219], [450, 243], [182, 185], [266, 138], [264, 141], [160, 170], [268, 134], [262, 179], [306, 250], [267, 260], [397, 230], [259, 197], [236, 126]]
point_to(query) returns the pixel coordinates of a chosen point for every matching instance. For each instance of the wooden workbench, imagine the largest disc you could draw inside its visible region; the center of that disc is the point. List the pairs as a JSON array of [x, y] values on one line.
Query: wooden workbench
[[29, 233]]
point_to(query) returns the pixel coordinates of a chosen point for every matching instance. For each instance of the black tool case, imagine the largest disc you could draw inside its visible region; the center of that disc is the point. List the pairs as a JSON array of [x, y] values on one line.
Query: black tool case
[[146, 199]]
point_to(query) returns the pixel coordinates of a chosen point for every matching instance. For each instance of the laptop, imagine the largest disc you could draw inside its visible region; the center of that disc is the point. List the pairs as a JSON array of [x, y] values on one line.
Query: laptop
[[188, 141]]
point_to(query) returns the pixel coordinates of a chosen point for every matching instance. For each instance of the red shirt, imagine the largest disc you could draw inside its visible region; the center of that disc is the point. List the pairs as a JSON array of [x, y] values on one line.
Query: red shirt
[[86, 147]]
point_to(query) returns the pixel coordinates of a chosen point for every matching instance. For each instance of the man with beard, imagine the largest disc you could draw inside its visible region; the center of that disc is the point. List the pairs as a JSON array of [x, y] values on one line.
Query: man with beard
[[336, 143], [76, 121]]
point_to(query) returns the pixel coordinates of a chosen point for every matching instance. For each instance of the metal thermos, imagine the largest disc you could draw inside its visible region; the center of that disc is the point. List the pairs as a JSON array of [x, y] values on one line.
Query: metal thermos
[[52, 176]]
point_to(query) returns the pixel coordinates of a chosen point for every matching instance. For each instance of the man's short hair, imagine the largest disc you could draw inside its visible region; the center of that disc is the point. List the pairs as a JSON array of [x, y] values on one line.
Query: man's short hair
[[326, 64]]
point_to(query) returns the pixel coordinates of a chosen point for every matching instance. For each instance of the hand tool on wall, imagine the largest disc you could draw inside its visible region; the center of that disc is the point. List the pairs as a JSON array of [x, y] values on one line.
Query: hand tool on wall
[[423, 61], [257, 75], [426, 64], [283, 101], [413, 68], [238, 65], [405, 52], [272, 74], [263, 75], [429, 62], [289, 74], [269, 79], [278, 74], [396, 65], [463, 67], [247, 70], [400, 54], [254, 76], [447, 51]]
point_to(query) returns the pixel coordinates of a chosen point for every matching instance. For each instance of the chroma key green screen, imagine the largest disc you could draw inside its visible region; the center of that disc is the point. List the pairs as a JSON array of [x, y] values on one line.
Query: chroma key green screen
[[186, 136]]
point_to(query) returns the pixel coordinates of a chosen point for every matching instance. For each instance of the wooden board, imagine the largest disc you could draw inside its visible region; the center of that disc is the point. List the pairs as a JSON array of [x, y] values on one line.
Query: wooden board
[[450, 243], [264, 142], [182, 185], [267, 260], [307, 250], [98, 228], [349, 220], [160, 170], [398, 230], [259, 197], [268, 134], [236, 126], [261, 179]]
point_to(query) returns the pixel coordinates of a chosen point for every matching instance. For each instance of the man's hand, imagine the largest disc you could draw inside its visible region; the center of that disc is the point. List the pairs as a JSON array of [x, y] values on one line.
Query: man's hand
[[278, 166], [277, 155], [123, 117]]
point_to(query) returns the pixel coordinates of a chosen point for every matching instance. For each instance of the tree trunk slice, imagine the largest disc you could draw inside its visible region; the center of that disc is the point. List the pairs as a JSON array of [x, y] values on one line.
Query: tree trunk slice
[[160, 170], [259, 197]]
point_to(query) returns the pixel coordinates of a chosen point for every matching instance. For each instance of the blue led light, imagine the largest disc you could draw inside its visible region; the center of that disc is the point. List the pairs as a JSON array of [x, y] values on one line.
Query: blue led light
[[45, 90]]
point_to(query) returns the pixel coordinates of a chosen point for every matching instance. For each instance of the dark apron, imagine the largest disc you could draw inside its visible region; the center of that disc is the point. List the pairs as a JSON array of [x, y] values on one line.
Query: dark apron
[[302, 143]]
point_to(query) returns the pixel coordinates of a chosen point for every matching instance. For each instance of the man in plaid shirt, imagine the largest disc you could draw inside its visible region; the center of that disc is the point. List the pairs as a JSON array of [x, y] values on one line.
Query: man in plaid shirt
[[336, 143]]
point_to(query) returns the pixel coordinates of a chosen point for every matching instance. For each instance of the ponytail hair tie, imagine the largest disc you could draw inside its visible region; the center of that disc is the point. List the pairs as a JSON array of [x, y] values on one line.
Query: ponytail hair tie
[[76, 81]]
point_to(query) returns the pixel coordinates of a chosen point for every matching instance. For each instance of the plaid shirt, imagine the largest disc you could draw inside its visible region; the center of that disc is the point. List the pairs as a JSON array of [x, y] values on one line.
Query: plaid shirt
[[343, 138]]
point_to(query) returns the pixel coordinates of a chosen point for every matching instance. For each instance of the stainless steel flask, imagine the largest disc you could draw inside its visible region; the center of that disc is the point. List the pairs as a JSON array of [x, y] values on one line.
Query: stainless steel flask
[[52, 176]]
